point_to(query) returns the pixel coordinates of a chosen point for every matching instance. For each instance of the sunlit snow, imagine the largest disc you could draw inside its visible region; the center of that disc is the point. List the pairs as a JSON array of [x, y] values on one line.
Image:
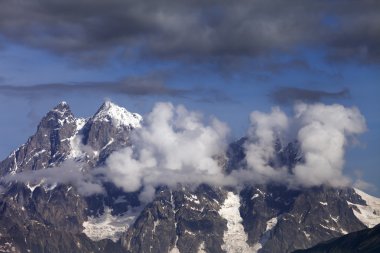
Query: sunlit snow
[[119, 116], [368, 214], [271, 223], [107, 226], [235, 238]]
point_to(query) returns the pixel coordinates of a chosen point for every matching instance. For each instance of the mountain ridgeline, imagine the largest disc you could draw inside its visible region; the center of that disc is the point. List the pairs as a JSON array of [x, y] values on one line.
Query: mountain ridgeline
[[46, 216]]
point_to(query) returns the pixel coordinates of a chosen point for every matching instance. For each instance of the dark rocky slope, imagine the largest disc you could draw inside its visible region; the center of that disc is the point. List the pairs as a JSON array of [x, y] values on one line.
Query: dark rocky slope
[[363, 241]]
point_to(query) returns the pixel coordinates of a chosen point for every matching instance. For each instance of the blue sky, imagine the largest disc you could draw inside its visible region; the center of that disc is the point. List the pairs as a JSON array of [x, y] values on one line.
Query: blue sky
[[219, 59]]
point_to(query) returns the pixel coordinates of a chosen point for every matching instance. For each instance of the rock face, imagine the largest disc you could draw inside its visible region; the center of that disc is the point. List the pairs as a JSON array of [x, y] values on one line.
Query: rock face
[[180, 220], [36, 216]]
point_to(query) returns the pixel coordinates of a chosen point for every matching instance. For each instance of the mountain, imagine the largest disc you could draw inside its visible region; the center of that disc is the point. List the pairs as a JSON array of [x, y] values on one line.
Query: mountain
[[364, 241], [48, 146], [45, 216]]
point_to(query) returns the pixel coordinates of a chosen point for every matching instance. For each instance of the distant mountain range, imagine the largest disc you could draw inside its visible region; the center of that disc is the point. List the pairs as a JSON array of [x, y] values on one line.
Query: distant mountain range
[[40, 214]]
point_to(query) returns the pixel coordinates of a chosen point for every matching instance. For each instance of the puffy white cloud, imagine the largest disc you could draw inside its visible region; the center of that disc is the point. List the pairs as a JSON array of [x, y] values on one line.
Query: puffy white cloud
[[323, 135], [264, 130], [323, 132], [173, 147]]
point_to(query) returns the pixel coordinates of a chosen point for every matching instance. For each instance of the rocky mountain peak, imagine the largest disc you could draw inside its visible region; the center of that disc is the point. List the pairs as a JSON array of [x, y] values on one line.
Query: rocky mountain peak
[[62, 106], [59, 116], [49, 146], [109, 127]]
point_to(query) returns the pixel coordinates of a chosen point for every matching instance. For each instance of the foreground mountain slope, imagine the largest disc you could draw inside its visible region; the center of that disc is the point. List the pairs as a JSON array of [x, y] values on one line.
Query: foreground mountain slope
[[363, 241], [43, 216]]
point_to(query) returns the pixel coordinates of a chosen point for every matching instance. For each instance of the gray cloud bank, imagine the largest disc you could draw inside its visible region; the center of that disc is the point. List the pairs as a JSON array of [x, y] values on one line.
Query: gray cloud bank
[[153, 84], [95, 30], [177, 146], [69, 172], [136, 86], [291, 95]]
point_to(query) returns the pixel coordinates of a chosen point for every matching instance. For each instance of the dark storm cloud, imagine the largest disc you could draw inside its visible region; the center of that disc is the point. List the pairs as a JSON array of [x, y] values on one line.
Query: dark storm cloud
[[92, 31], [289, 95], [276, 67]]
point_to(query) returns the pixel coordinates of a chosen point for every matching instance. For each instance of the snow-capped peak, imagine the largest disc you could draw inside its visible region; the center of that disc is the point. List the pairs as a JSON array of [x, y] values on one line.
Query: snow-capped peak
[[119, 116]]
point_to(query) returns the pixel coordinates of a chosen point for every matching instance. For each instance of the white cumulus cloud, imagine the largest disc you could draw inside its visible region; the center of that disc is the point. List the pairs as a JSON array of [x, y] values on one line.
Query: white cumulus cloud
[[265, 129], [323, 132], [174, 146]]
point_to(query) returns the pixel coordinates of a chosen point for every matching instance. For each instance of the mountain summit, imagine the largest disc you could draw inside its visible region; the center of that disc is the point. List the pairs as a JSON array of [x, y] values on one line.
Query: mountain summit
[[38, 214], [111, 124], [119, 116]]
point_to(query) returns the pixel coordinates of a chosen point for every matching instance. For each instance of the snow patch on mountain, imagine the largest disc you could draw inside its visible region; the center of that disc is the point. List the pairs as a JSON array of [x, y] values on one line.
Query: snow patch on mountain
[[7, 247], [32, 187], [339, 230], [76, 140], [79, 122], [13, 170], [37, 154], [271, 223], [235, 238], [202, 248], [174, 250], [76, 147], [107, 226], [108, 143], [368, 214], [192, 198], [118, 116], [307, 235]]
